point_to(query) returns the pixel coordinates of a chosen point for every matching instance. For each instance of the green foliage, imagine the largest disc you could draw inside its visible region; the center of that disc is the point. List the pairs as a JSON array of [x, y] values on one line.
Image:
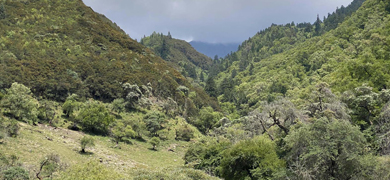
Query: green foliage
[[155, 122], [86, 142], [184, 133], [11, 169], [155, 141], [95, 117], [326, 149], [15, 173], [333, 20], [255, 158], [206, 155], [133, 95], [8, 127], [207, 119], [381, 128], [47, 111], [20, 104], [122, 132], [288, 60], [211, 87], [365, 104], [118, 105], [177, 52], [54, 52], [71, 105]]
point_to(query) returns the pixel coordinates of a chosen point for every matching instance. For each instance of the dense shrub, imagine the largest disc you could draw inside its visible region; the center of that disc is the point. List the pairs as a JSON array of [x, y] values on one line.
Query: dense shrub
[[15, 173], [184, 133], [254, 159], [19, 103], [94, 117], [8, 127], [155, 122]]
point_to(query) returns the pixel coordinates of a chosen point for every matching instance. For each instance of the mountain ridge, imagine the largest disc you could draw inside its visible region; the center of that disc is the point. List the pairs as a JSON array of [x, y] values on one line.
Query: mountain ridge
[[212, 49]]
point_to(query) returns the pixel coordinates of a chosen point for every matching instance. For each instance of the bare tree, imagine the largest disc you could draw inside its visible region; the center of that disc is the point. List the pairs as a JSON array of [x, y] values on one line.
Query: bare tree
[[281, 113]]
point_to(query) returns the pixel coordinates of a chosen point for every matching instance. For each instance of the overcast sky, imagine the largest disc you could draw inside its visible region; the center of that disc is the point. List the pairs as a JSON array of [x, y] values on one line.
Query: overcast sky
[[215, 21]]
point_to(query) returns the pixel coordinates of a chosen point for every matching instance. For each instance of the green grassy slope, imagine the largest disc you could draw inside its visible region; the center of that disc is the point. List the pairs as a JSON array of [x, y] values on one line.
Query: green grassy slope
[[34, 143]]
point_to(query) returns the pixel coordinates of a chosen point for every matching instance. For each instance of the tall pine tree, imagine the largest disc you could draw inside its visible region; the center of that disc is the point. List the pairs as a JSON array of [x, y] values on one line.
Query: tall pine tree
[[211, 88]]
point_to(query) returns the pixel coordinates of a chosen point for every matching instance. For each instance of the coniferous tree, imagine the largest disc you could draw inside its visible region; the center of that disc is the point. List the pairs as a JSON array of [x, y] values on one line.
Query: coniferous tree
[[317, 26], [211, 88], [164, 49]]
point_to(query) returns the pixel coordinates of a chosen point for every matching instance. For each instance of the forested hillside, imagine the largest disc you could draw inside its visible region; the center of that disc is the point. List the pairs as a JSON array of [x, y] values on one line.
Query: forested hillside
[[63, 65], [304, 101], [57, 51], [179, 54], [79, 99]]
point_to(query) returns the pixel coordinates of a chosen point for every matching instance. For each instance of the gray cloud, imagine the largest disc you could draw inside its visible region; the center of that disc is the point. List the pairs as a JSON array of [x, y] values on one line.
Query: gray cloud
[[209, 20]]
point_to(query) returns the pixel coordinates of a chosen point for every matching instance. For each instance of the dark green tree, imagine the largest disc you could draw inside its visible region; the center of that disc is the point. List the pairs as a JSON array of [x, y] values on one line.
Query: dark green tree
[[227, 89], [211, 87], [154, 122], [164, 52], [317, 26], [207, 119]]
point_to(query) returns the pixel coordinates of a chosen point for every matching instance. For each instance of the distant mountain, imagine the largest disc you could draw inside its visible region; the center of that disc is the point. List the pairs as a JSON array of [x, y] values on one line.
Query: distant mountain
[[178, 54], [212, 49]]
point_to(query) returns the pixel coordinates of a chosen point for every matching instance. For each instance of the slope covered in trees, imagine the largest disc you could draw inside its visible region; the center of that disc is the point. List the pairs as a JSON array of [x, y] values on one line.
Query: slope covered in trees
[[67, 67], [58, 48], [179, 54], [298, 101], [318, 99], [284, 57]]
